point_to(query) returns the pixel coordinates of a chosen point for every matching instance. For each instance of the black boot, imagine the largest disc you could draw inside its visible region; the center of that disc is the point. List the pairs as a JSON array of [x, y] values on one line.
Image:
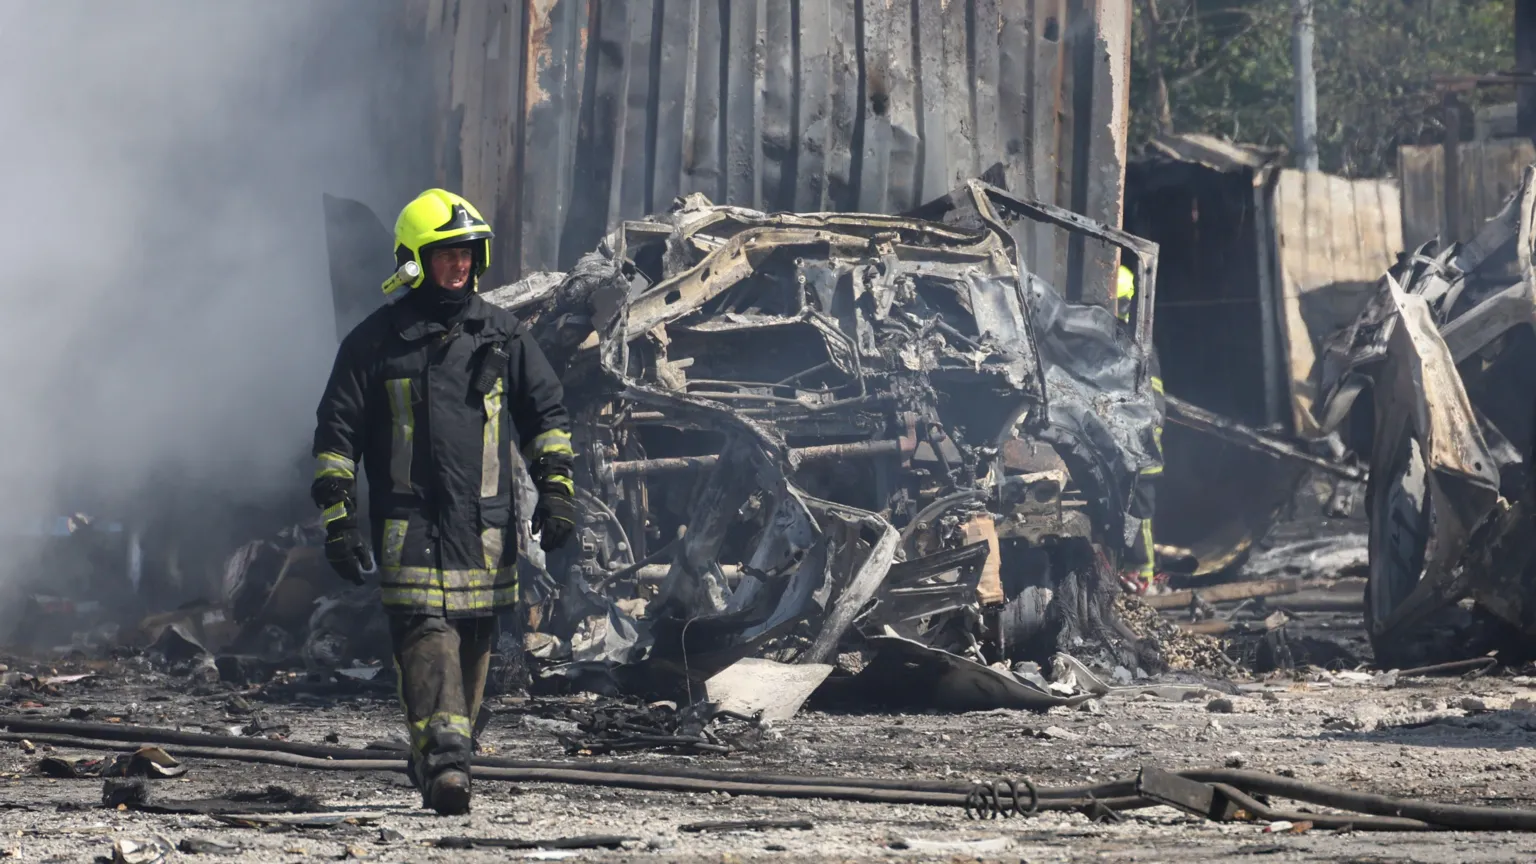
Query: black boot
[[448, 793]]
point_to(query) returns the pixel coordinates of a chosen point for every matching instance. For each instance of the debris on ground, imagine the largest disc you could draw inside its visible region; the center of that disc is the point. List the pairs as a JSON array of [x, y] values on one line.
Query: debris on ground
[[1177, 648], [747, 825], [140, 851], [624, 727], [772, 692], [146, 762], [596, 841], [203, 846], [297, 821]]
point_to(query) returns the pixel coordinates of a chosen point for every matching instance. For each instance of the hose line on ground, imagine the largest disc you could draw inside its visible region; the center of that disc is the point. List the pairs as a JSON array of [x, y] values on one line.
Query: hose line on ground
[[1381, 812]]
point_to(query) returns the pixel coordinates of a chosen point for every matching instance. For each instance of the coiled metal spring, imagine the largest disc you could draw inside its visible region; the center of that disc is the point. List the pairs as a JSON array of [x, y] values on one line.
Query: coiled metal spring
[[1001, 798]]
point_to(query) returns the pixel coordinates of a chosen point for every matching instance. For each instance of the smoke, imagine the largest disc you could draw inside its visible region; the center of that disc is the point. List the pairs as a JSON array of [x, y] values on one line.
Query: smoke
[[167, 320]]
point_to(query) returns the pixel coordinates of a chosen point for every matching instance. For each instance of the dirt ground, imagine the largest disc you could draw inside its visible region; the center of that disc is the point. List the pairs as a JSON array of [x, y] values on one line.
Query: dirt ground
[[1460, 741]]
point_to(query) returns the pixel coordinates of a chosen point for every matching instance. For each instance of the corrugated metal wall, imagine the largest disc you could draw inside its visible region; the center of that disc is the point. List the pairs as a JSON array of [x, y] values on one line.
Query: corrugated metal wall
[[1489, 173], [1334, 238], [563, 117]]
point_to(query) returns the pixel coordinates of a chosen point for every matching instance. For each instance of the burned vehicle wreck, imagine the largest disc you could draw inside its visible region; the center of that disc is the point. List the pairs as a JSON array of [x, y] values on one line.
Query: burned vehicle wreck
[[800, 431], [1436, 381]]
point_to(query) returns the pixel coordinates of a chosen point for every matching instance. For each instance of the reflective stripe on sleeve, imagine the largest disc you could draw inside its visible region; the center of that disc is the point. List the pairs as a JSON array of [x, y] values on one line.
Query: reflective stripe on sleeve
[[555, 441], [332, 464]]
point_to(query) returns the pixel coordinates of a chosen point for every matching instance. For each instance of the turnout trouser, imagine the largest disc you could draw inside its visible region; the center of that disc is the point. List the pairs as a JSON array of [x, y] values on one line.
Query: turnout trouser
[[441, 664]]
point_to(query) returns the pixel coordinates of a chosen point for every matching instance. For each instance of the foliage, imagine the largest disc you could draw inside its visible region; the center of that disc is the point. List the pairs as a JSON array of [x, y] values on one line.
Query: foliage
[[1227, 64]]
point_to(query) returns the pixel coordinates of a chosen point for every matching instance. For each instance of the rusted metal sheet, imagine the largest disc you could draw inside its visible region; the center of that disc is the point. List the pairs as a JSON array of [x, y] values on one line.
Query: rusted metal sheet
[[566, 117], [1489, 172], [1333, 239]]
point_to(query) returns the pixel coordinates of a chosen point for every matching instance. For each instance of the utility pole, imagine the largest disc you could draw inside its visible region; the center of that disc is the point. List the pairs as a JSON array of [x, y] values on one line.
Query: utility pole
[[1306, 87], [1525, 63]]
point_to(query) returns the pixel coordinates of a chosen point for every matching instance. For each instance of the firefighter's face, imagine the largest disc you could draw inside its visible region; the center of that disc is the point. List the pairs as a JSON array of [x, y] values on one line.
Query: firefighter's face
[[450, 267]]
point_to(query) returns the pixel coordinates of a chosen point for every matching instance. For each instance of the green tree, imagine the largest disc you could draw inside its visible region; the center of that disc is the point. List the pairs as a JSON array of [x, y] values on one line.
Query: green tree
[[1226, 67]]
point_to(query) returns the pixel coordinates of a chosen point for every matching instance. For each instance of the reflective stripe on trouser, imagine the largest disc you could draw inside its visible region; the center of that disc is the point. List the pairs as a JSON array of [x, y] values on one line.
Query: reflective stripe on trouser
[[441, 666], [403, 437], [1148, 553], [1157, 443], [331, 464], [453, 592]]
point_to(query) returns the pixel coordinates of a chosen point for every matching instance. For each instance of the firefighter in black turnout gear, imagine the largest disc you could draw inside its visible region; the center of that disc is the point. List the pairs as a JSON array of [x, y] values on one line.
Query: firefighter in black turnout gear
[[1143, 553], [425, 394]]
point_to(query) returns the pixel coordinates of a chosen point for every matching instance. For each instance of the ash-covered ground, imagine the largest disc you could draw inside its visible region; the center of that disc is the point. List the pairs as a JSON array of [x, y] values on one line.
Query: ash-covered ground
[[1459, 740], [1463, 741]]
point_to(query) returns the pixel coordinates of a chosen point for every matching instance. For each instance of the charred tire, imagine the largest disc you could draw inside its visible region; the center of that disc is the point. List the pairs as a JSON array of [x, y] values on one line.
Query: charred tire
[[1400, 511]]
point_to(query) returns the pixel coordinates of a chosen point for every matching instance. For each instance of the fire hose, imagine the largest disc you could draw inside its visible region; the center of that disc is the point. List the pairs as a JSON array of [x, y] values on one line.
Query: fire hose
[[1196, 790]]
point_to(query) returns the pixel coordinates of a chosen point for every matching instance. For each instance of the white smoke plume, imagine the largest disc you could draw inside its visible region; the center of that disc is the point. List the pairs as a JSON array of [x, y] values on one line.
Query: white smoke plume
[[167, 320]]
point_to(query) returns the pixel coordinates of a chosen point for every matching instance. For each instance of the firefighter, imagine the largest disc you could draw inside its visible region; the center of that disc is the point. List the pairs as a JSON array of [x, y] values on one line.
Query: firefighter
[[1143, 580], [423, 394]]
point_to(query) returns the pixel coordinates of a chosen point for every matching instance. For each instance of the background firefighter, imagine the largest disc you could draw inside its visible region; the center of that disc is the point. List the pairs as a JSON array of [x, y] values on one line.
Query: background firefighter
[[424, 393], [1143, 579]]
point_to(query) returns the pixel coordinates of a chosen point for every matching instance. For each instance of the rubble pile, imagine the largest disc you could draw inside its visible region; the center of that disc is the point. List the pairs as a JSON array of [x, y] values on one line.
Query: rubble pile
[[1178, 648]]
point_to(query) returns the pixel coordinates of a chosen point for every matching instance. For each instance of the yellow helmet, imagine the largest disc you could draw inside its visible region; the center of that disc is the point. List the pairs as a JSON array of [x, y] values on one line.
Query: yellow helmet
[[1125, 289], [440, 218]]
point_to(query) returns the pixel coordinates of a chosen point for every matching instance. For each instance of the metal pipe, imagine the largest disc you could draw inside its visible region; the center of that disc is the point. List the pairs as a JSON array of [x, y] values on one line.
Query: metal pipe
[[1199, 419], [658, 572], [678, 464]]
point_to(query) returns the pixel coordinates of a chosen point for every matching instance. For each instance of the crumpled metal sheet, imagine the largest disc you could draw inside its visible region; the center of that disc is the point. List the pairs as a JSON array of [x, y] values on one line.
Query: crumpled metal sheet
[[965, 685]]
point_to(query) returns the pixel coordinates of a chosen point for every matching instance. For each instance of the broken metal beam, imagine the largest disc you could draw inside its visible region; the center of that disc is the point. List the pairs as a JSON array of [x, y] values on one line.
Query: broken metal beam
[[1191, 796], [1230, 430], [678, 464], [1222, 593]]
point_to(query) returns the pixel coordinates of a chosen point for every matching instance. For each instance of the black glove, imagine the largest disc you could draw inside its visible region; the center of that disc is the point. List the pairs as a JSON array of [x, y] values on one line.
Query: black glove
[[348, 550], [554, 517], [346, 546]]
